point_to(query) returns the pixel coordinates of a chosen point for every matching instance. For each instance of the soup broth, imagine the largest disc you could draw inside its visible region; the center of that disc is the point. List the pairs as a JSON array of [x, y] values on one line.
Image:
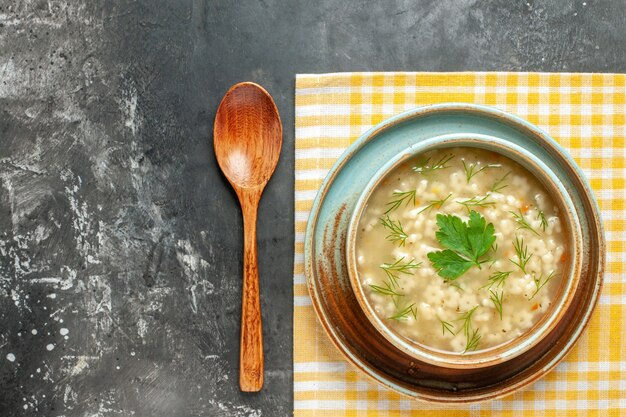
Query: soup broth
[[460, 249]]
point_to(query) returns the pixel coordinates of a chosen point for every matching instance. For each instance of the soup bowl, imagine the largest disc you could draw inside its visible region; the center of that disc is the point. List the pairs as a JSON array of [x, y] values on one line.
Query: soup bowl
[[565, 293], [366, 342]]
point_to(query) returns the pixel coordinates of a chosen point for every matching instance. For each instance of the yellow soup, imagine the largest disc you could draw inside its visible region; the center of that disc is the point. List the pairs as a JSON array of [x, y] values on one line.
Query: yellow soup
[[460, 249]]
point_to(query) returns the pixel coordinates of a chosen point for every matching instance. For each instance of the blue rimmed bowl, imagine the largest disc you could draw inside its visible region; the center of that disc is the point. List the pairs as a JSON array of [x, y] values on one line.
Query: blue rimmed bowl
[[368, 345], [545, 327]]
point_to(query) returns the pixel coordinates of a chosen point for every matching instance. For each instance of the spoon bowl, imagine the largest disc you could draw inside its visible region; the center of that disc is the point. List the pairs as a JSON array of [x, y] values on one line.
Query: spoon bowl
[[248, 136], [247, 141]]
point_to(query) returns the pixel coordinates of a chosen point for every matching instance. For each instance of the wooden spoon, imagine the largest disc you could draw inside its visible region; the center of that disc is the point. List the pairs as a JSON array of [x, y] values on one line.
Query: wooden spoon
[[247, 141]]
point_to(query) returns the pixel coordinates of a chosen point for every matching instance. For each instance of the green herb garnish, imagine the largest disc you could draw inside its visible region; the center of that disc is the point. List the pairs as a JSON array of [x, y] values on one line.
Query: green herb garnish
[[477, 202], [400, 197], [494, 247], [396, 232], [522, 223], [497, 279], [465, 244], [499, 185], [521, 250], [467, 320], [396, 268], [472, 341], [404, 314], [542, 218], [393, 270], [446, 326], [423, 166], [435, 203], [472, 337], [541, 282], [455, 285], [387, 289], [472, 169], [496, 299]]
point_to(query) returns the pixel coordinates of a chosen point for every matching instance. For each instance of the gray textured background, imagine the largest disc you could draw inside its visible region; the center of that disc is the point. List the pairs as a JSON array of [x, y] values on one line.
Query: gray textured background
[[120, 242]]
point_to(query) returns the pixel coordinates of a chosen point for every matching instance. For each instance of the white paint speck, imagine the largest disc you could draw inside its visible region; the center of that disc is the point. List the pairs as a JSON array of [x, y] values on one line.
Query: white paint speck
[[53, 296], [11, 357], [584, 3], [117, 367], [132, 353], [25, 406], [240, 409], [80, 365], [92, 260], [64, 331], [34, 331], [19, 333], [15, 297], [82, 223], [38, 370], [130, 109], [142, 328], [194, 267], [66, 337], [49, 346]]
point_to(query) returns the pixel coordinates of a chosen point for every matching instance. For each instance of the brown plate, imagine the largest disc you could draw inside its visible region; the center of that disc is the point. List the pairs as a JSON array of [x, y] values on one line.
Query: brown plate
[[338, 309]]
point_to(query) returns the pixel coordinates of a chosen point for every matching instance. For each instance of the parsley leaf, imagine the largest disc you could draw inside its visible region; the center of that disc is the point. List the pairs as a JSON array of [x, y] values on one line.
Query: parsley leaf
[[449, 265], [464, 243]]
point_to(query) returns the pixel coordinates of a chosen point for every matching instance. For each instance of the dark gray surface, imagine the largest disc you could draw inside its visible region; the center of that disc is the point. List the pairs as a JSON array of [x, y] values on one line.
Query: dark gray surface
[[115, 223]]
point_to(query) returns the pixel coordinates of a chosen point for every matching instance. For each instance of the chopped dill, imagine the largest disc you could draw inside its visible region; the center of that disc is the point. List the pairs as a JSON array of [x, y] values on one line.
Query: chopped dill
[[455, 285], [522, 222], [541, 216], [396, 232], [386, 290], [497, 279], [424, 166], [472, 341], [521, 250], [494, 247], [472, 337], [467, 323], [496, 298], [394, 269], [477, 202], [499, 185], [400, 197], [435, 203], [404, 314], [472, 169], [390, 286], [541, 282], [446, 326]]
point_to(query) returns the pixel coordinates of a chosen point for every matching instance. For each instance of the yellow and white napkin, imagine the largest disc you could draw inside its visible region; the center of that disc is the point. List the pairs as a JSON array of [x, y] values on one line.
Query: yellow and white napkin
[[584, 112]]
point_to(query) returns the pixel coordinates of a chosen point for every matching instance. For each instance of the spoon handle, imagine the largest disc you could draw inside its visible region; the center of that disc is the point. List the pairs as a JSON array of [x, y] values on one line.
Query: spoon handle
[[251, 344]]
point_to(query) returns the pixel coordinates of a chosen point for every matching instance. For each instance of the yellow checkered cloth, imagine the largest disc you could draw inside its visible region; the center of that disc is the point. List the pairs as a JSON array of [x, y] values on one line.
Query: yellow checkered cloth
[[583, 112]]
